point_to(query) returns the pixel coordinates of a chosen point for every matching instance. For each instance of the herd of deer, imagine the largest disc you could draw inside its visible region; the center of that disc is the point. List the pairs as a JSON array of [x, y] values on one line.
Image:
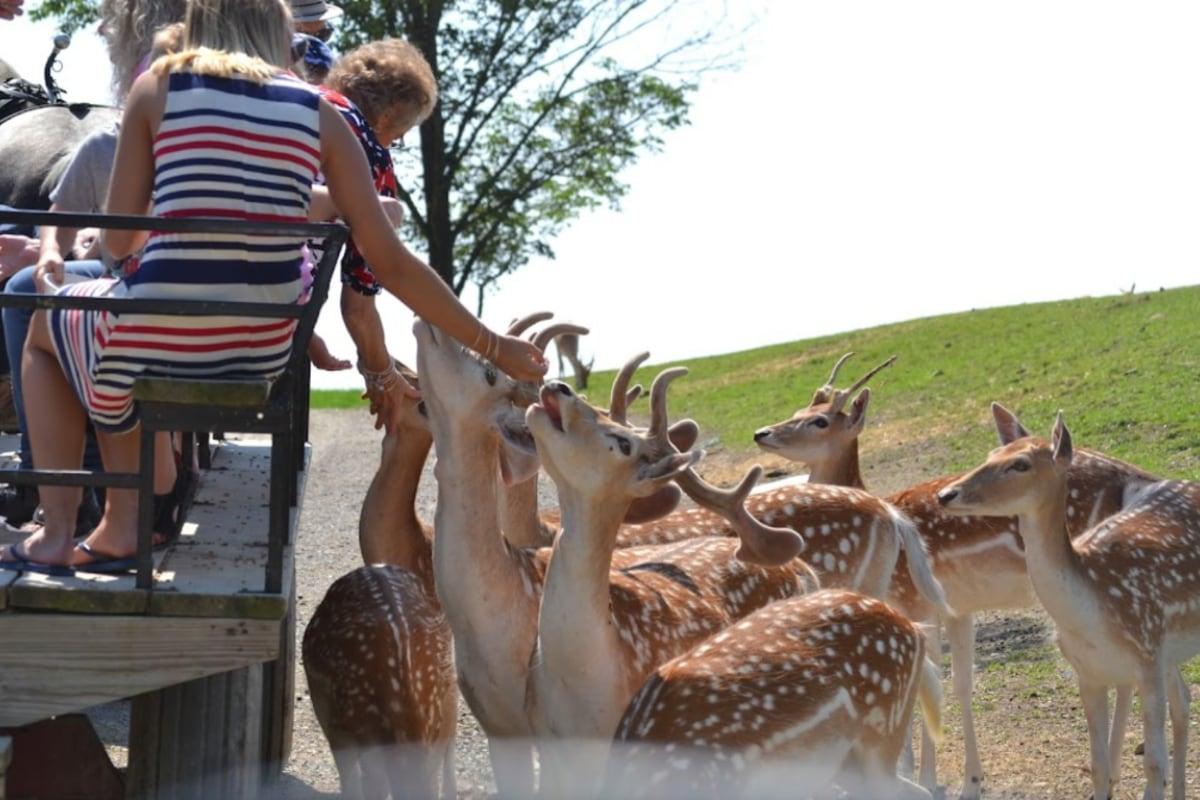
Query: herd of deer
[[762, 643]]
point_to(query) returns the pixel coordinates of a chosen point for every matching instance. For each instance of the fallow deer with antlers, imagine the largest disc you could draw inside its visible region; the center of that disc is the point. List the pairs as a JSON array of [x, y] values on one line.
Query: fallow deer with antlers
[[799, 694], [567, 345], [603, 628], [1125, 595], [490, 590], [979, 560], [378, 650]]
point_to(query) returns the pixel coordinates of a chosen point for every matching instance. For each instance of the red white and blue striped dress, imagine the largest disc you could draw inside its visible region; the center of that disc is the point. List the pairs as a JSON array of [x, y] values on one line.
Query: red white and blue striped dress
[[228, 148]]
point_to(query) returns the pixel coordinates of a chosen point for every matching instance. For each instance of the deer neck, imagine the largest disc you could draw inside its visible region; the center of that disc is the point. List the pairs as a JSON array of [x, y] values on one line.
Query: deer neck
[[389, 531], [840, 470], [1054, 566], [573, 624], [476, 573], [519, 516]]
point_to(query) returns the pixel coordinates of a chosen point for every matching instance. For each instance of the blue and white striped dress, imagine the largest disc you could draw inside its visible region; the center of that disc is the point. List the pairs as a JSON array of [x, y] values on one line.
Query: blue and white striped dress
[[229, 148]]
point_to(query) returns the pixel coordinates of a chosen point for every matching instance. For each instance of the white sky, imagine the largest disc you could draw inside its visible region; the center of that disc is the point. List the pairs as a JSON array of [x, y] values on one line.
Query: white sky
[[870, 162]]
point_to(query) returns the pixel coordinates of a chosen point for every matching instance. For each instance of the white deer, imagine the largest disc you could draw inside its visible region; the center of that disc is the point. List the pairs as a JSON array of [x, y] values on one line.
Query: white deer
[[1125, 596]]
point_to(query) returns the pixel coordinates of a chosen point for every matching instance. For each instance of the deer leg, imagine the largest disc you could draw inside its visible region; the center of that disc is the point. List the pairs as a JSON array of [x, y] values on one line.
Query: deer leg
[[346, 759], [1180, 702], [449, 779], [512, 765], [1095, 707], [1153, 687], [411, 770], [1116, 738], [928, 776], [961, 632], [374, 763]]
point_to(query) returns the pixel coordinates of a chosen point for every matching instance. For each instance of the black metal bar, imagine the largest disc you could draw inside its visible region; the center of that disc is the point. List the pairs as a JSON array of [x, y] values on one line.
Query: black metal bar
[[133, 222], [70, 477], [145, 544], [279, 510], [205, 449]]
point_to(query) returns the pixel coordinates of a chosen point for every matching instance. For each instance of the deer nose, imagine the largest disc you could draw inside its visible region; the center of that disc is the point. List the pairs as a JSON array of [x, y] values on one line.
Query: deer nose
[[561, 388], [761, 434], [946, 496]]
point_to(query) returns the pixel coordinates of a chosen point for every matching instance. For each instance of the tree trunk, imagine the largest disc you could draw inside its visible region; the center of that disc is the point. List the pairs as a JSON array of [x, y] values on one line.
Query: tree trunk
[[425, 18]]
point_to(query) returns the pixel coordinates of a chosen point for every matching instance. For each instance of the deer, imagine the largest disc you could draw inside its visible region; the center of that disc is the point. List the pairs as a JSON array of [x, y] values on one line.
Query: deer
[[1124, 595], [804, 692], [378, 651], [602, 627], [482, 443], [567, 345], [980, 561]]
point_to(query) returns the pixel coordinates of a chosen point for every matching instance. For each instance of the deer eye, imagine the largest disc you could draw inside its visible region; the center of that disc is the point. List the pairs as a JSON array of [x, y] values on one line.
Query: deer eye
[[819, 422], [626, 447], [1019, 466]]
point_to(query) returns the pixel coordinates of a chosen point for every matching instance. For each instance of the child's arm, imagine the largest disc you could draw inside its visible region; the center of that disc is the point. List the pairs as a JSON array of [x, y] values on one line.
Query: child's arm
[[397, 269]]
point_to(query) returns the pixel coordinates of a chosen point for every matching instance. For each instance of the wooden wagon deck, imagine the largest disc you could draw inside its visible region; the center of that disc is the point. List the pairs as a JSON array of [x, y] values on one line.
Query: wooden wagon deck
[[206, 654]]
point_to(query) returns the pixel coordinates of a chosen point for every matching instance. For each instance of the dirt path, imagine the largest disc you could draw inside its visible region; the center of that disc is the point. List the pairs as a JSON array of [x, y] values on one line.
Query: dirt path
[[1031, 727]]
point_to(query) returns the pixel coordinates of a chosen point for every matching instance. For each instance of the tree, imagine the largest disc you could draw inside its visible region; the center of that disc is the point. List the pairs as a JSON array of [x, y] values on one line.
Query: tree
[[542, 105], [72, 14]]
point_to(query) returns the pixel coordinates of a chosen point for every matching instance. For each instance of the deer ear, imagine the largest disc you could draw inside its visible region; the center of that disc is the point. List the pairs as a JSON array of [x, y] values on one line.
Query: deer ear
[[1007, 425], [651, 477], [858, 411], [683, 434], [1060, 441], [656, 506]]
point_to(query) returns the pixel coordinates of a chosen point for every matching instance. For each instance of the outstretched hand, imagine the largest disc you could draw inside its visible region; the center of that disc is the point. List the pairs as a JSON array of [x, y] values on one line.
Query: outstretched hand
[[386, 400], [520, 359], [322, 359]]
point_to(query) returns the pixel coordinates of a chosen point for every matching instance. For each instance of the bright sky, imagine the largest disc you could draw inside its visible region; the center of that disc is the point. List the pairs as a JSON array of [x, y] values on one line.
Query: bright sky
[[870, 162]]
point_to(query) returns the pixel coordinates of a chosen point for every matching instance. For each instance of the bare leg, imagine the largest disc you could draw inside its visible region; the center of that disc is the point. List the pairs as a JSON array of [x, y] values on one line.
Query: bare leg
[[1095, 706], [116, 535], [1116, 738], [1154, 723], [57, 423], [1180, 700], [961, 632]]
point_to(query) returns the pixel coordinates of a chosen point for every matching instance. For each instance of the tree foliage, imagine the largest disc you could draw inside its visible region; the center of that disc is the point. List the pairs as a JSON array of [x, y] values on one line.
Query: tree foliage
[[542, 105], [71, 14]]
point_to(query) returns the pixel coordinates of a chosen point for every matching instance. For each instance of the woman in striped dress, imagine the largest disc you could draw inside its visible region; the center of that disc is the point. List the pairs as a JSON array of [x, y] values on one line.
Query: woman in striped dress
[[218, 130]]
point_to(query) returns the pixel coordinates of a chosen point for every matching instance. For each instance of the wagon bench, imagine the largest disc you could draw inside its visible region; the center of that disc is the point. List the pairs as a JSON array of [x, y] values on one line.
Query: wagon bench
[[202, 637]]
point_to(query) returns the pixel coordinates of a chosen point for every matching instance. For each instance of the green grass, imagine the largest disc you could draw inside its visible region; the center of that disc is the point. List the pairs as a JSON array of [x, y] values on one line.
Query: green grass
[[1125, 370], [336, 398]]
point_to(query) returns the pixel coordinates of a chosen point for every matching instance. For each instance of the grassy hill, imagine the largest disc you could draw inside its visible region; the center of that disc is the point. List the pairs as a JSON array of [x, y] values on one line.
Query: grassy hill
[[1125, 369]]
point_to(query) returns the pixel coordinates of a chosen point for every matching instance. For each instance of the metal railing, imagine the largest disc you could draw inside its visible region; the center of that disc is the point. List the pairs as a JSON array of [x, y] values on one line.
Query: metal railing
[[285, 415]]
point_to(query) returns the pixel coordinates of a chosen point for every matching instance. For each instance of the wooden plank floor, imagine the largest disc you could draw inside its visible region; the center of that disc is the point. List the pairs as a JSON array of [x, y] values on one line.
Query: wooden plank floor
[[216, 569]]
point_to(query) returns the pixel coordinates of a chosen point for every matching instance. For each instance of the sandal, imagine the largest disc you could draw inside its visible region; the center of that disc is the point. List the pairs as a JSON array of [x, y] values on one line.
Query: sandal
[[101, 564], [19, 561]]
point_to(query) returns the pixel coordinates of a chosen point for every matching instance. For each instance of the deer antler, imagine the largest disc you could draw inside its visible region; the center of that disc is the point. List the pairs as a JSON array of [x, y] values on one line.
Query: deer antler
[[622, 395], [541, 340], [522, 324], [761, 544], [840, 398], [825, 393]]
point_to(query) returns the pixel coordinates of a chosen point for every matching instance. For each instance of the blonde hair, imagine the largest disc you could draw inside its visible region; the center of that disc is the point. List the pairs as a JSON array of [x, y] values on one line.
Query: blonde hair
[[380, 76], [168, 40], [249, 38], [129, 27]]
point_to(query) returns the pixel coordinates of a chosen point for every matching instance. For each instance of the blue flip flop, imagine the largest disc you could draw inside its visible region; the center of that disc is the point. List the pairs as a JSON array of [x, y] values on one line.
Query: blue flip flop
[[101, 564], [21, 562]]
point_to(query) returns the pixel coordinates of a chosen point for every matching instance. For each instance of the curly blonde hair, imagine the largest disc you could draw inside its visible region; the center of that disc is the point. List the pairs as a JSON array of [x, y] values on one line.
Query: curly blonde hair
[[384, 75], [129, 27]]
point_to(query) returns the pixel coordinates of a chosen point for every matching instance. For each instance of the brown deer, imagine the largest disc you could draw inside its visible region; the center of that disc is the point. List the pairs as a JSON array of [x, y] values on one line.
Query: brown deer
[[980, 561], [602, 627], [567, 345], [489, 589], [377, 652], [799, 694], [1125, 595]]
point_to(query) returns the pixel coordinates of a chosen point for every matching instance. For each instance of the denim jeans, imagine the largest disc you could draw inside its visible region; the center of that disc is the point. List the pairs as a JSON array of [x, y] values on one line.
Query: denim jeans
[[16, 328]]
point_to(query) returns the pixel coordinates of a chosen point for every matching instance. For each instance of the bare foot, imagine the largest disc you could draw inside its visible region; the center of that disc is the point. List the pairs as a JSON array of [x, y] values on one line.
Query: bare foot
[[43, 549], [110, 539]]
